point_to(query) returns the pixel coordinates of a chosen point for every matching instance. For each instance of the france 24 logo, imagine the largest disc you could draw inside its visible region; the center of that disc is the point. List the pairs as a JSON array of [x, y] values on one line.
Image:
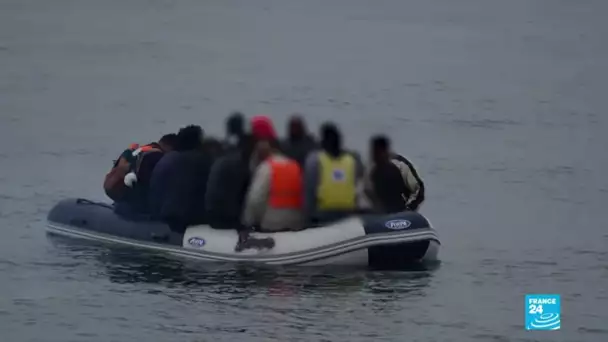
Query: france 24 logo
[[543, 312]]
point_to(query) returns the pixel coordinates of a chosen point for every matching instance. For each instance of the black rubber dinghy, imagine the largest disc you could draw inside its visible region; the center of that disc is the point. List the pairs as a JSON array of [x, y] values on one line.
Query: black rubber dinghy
[[379, 241]]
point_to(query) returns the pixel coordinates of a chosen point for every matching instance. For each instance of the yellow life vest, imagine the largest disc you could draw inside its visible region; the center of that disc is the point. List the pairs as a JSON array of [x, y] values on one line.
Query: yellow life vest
[[337, 190]]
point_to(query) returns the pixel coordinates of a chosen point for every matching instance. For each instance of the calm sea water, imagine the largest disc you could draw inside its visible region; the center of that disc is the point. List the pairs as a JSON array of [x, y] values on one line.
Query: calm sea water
[[500, 104]]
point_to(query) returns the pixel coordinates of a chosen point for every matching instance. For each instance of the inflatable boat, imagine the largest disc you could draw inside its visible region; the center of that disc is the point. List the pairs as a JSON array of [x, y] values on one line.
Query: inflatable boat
[[372, 240]]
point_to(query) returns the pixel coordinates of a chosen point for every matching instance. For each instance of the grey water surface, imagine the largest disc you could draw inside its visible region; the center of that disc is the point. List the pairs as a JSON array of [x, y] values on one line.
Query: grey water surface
[[500, 104]]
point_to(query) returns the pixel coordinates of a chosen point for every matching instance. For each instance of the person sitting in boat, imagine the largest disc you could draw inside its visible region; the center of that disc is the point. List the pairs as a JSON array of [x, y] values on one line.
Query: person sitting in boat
[[235, 130], [127, 182], [262, 129], [299, 143], [392, 183], [275, 196], [227, 185], [230, 177], [331, 176], [167, 165], [181, 182]]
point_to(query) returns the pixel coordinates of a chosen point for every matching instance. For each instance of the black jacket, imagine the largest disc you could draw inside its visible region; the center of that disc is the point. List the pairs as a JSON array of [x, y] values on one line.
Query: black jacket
[[226, 190], [389, 188], [159, 182], [299, 149], [183, 202]]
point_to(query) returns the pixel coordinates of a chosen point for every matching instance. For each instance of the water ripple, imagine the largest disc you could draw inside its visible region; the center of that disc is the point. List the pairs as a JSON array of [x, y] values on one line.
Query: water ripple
[[593, 330]]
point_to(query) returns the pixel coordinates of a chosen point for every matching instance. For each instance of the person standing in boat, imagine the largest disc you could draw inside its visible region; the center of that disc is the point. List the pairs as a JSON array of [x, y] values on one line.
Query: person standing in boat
[[299, 143], [331, 176], [275, 196], [392, 183]]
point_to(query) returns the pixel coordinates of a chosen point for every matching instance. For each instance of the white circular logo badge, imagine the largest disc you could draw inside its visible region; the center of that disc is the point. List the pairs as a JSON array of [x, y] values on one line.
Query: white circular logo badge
[[398, 224]]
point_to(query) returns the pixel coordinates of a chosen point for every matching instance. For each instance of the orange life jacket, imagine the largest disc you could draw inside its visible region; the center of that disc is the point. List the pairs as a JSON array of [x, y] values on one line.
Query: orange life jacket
[[142, 149], [113, 184], [286, 185], [139, 155]]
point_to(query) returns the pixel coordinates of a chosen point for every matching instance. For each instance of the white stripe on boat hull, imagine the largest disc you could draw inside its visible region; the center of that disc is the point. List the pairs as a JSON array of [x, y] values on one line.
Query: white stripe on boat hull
[[348, 252]]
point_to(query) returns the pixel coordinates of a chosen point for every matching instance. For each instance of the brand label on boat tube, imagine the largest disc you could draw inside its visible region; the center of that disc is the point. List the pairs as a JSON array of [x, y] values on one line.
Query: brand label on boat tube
[[196, 241], [398, 224]]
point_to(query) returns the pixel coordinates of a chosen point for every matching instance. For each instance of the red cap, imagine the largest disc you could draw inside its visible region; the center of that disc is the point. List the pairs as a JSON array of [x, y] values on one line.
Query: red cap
[[262, 128]]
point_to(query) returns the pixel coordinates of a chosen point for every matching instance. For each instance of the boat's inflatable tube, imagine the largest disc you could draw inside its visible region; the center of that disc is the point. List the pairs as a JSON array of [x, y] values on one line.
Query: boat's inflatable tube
[[375, 240]]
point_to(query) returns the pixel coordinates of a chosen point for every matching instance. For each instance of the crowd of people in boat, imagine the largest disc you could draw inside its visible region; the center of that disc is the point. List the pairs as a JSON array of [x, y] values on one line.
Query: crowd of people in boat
[[251, 178]]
